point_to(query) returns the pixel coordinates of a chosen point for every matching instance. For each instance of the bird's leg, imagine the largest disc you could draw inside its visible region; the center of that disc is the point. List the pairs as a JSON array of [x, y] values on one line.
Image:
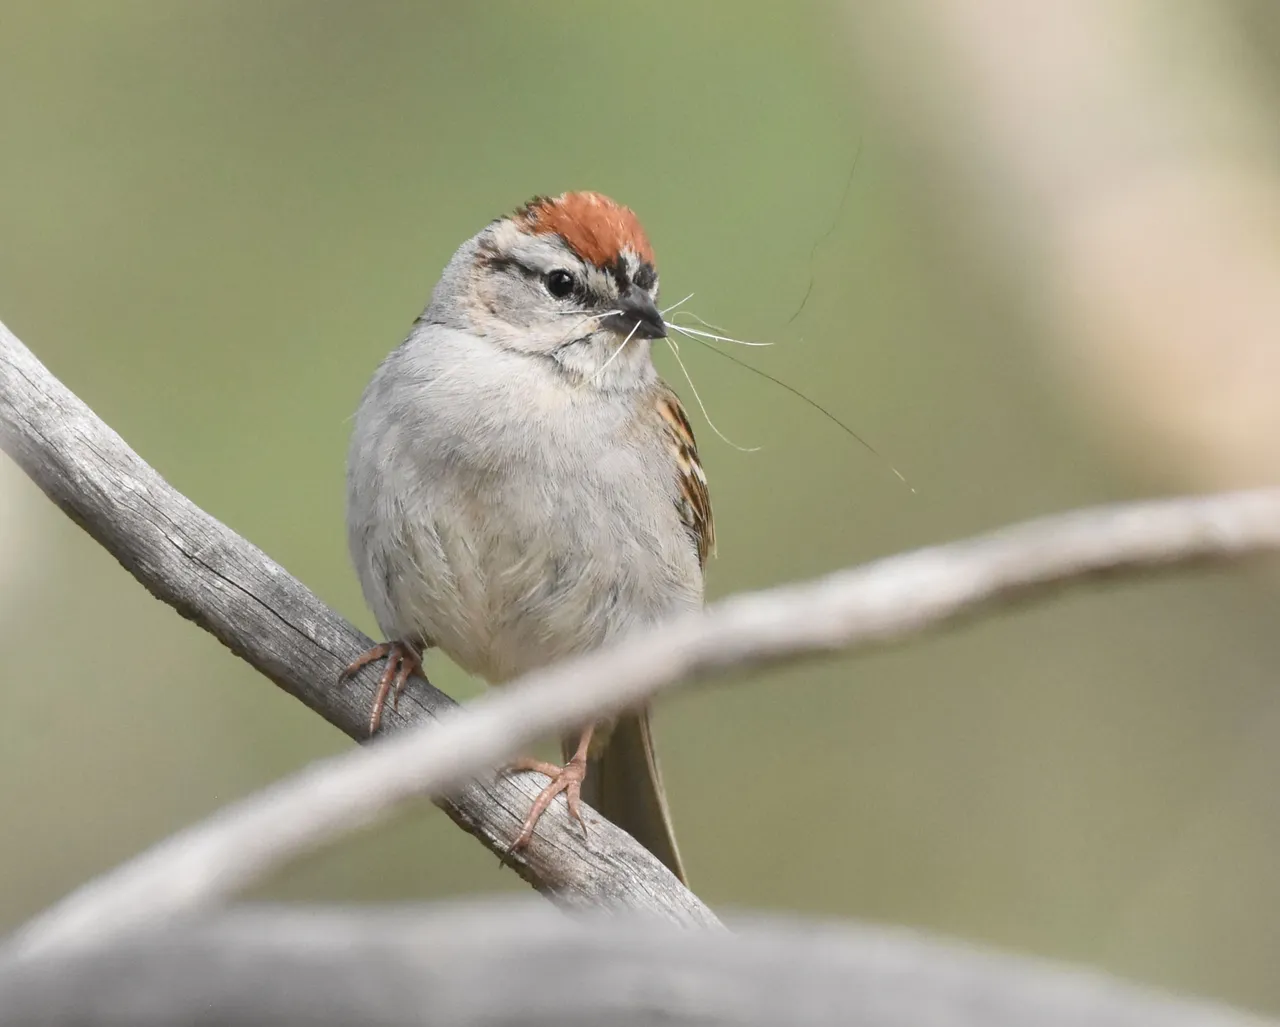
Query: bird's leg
[[402, 660], [567, 779]]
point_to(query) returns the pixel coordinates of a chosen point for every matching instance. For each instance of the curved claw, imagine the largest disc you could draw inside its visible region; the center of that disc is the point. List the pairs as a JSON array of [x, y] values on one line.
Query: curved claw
[[567, 779], [402, 661]]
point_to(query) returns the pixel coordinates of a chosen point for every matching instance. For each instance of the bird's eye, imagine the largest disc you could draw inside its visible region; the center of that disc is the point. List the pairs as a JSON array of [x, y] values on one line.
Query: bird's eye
[[559, 283]]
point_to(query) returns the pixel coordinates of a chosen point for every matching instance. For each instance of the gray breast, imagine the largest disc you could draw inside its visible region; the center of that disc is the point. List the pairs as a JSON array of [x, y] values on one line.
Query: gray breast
[[511, 527]]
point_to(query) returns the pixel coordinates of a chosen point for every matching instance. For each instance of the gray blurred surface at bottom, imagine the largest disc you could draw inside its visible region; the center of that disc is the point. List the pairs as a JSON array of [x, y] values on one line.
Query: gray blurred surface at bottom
[[524, 962]]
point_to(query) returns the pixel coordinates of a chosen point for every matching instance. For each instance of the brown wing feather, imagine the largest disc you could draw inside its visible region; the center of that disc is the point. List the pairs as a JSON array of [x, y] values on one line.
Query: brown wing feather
[[695, 500]]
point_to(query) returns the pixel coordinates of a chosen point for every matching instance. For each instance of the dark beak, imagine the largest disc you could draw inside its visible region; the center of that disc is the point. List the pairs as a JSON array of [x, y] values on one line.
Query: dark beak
[[638, 314]]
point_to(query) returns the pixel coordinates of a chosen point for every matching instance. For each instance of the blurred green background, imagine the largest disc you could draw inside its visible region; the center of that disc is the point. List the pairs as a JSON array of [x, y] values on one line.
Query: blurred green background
[[215, 219]]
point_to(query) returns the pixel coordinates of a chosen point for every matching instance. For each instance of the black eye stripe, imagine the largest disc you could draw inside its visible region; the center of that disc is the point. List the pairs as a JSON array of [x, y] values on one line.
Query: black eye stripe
[[499, 263], [618, 272], [645, 277], [496, 262]]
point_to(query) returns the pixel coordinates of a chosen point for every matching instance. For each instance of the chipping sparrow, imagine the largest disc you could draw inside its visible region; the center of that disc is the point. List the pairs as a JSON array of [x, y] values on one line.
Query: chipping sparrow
[[522, 486]]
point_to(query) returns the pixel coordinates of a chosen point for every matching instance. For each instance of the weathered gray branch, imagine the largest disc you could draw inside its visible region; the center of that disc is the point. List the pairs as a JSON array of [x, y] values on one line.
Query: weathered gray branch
[[232, 589], [524, 963], [227, 585], [854, 608]]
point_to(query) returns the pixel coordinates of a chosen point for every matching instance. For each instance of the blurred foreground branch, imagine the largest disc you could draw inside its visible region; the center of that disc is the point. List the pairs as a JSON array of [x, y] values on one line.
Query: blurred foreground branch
[[856, 608], [523, 963], [232, 589]]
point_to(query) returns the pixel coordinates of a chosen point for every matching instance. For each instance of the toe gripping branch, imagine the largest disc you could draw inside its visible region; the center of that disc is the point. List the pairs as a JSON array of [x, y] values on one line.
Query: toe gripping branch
[[402, 661]]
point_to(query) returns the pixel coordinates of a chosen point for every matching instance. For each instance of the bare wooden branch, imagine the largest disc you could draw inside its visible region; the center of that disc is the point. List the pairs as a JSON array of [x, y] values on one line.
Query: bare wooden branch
[[525, 964], [855, 608], [232, 589]]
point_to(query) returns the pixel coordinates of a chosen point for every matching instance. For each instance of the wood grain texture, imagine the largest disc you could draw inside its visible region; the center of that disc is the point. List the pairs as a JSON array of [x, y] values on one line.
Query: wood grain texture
[[523, 963], [264, 615]]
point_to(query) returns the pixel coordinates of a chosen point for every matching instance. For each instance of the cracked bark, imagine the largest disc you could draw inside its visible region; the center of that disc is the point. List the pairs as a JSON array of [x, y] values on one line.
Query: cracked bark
[[229, 587]]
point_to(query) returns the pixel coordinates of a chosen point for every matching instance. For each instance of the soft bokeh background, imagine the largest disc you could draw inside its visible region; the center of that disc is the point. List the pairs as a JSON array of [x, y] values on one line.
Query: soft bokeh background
[[216, 219]]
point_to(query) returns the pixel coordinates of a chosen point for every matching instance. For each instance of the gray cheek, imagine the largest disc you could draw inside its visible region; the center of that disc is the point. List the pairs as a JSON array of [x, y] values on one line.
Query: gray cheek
[[508, 301]]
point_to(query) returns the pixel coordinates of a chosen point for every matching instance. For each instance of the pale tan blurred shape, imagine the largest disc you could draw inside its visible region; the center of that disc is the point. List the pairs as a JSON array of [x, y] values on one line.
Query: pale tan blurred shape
[[1115, 157]]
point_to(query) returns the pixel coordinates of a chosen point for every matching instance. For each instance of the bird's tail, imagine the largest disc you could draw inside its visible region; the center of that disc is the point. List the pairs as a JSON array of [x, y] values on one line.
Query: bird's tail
[[624, 784]]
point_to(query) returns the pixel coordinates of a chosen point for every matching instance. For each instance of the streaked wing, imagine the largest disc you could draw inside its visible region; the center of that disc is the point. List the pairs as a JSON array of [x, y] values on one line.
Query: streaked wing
[[694, 504]]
